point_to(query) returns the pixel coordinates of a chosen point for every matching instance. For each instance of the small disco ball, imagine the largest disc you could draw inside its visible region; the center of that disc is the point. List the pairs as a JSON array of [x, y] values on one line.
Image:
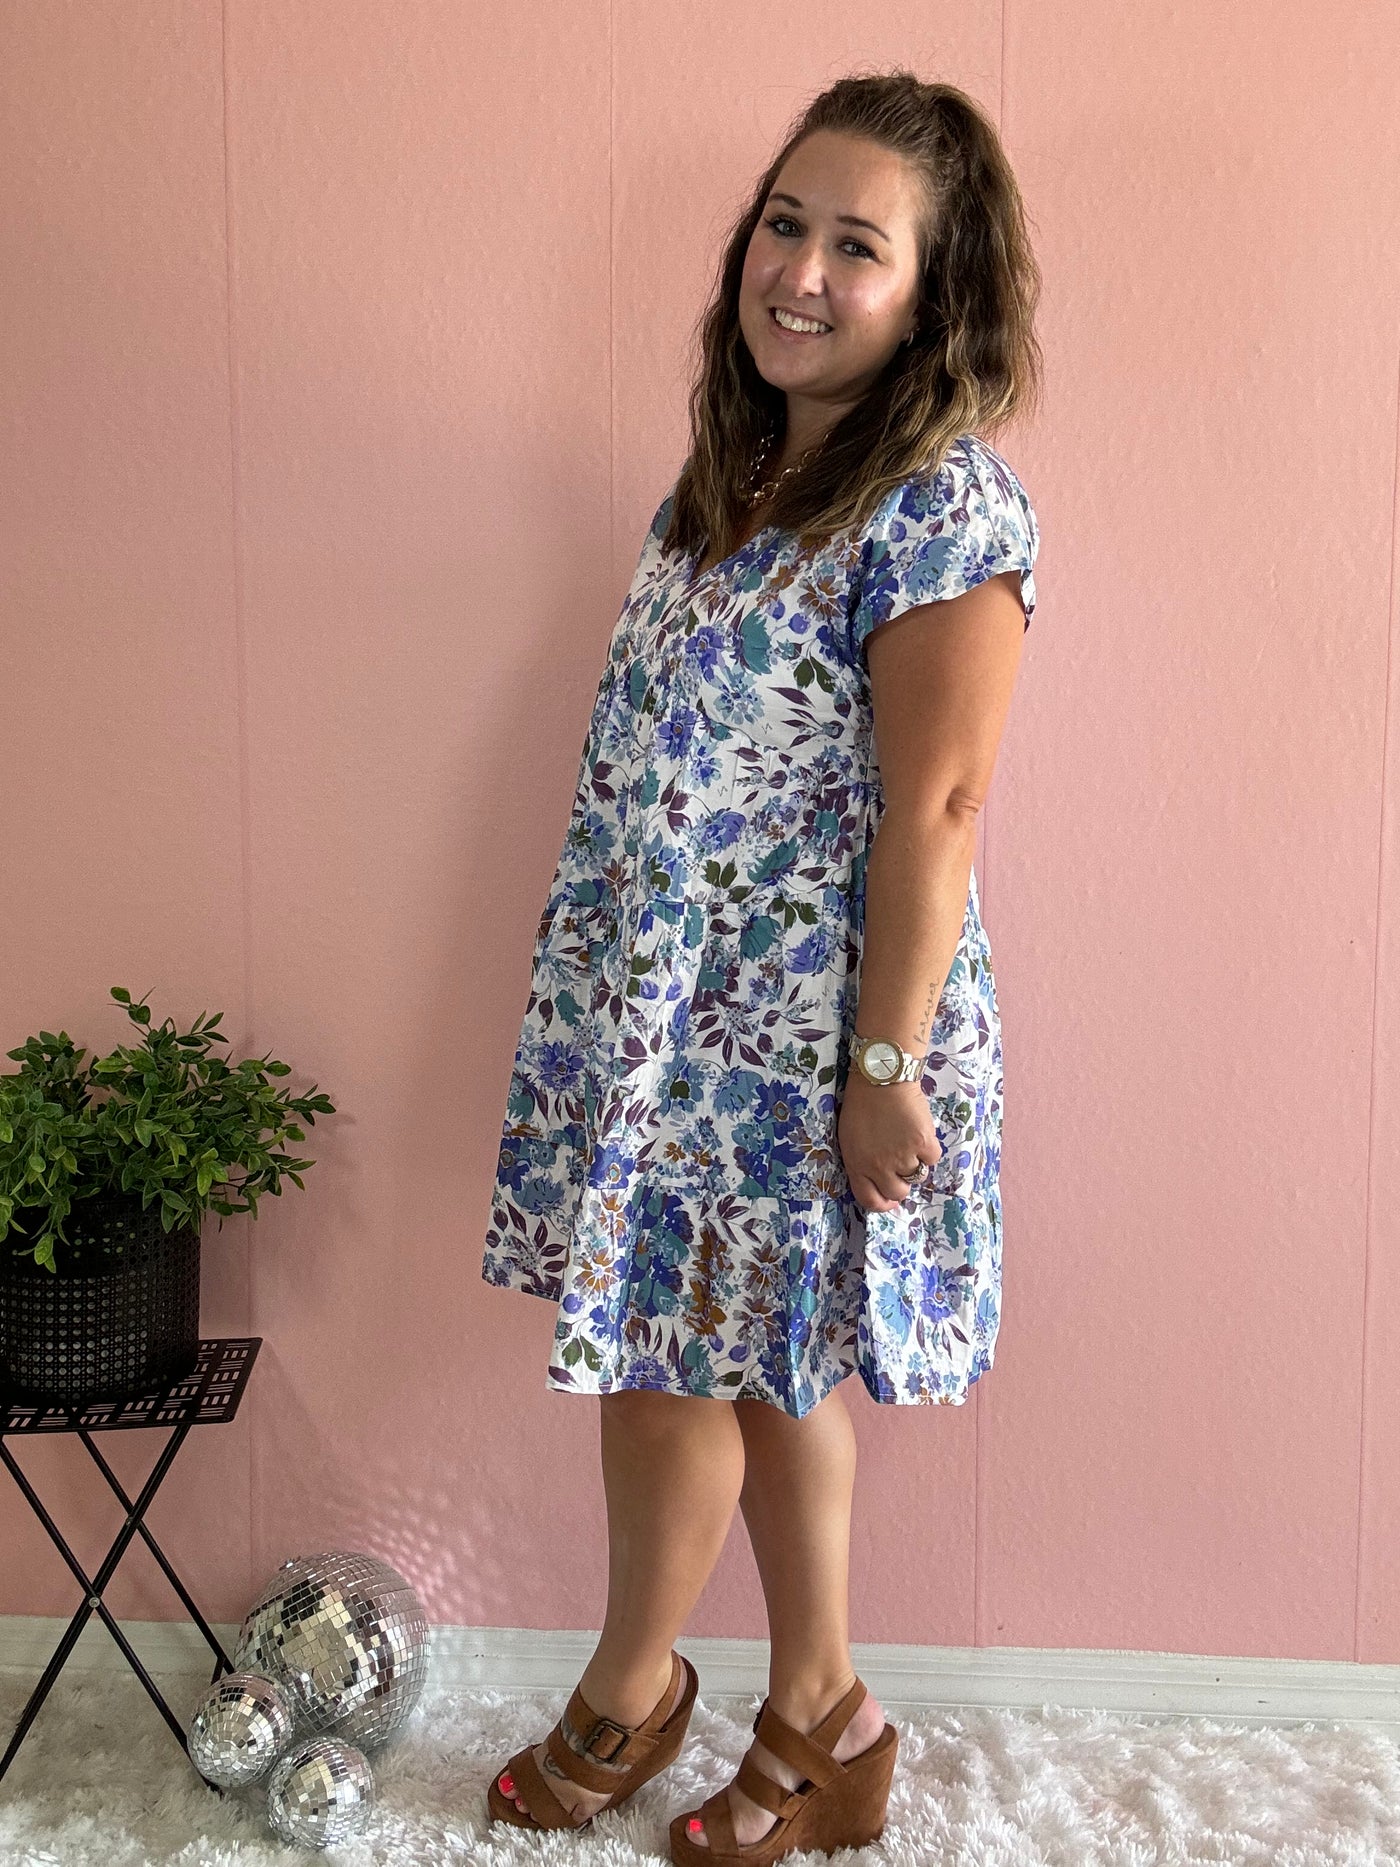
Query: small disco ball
[[320, 1793], [238, 1727], [345, 1636]]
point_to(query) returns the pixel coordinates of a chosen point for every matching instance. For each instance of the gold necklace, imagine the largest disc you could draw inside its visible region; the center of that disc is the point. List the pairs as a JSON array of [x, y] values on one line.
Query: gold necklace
[[769, 486]]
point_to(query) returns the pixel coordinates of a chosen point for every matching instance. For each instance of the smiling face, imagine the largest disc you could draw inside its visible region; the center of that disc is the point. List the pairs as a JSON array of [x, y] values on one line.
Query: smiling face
[[837, 243]]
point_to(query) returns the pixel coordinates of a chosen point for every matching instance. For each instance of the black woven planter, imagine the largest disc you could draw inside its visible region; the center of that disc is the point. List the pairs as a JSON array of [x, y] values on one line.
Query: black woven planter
[[118, 1317]]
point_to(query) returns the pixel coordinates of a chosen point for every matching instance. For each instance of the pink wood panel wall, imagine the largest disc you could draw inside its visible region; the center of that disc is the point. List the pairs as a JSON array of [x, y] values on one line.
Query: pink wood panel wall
[[347, 352]]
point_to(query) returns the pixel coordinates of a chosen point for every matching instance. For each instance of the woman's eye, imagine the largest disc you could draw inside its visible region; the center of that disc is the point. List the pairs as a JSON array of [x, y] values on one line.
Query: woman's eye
[[852, 241]]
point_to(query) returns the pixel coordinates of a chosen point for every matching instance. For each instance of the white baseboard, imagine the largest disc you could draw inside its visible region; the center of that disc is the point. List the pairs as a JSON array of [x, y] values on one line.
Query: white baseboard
[[903, 1678]]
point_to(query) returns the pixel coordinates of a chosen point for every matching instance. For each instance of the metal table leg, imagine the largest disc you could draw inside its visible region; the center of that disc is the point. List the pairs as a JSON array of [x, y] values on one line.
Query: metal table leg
[[94, 1586]]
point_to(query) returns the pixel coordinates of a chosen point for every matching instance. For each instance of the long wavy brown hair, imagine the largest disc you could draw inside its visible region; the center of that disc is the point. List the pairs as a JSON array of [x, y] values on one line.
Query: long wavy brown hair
[[974, 361]]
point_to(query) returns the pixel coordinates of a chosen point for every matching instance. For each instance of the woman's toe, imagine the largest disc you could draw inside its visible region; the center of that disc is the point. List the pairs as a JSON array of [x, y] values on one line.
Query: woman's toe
[[505, 1782]]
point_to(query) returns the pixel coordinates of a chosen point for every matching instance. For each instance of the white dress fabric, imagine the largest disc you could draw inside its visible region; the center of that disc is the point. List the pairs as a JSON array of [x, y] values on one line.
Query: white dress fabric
[[669, 1175]]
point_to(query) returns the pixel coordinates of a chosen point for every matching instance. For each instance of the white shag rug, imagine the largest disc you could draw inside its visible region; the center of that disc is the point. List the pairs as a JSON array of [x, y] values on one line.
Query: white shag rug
[[101, 1782]]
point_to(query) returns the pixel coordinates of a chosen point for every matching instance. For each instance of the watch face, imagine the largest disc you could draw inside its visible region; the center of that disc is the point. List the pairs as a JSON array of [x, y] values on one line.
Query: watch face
[[881, 1061]]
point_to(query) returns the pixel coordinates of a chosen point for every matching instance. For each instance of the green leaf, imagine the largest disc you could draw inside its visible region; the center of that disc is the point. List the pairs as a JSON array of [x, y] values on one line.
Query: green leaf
[[780, 857], [758, 935], [754, 642]]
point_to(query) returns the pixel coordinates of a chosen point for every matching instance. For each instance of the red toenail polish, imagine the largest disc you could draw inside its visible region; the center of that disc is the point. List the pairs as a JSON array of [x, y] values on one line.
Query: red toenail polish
[[507, 1784], [695, 1824]]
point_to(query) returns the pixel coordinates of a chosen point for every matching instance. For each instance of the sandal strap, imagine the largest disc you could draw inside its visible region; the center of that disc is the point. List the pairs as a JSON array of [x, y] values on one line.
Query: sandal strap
[[770, 1795], [533, 1787], [810, 1753], [606, 1742], [718, 1817], [584, 1771]]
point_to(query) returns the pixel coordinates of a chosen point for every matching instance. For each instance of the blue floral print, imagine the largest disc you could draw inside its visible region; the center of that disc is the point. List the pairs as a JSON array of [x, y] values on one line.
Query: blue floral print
[[669, 1175]]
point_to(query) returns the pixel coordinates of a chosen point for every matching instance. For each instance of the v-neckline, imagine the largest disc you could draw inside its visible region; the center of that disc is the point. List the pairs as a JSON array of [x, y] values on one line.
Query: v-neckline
[[695, 578]]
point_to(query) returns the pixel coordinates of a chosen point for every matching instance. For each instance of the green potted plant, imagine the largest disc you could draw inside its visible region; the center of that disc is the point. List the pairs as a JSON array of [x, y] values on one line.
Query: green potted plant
[[118, 1163]]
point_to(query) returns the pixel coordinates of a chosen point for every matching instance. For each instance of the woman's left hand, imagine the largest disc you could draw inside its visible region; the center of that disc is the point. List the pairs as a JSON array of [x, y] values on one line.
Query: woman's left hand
[[883, 1129]]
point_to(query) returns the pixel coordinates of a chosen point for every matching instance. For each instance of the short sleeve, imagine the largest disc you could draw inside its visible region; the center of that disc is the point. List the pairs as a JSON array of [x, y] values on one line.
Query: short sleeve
[[941, 533]]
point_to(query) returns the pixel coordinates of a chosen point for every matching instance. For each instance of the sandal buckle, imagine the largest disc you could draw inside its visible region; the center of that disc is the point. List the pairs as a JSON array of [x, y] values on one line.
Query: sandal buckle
[[621, 1734]]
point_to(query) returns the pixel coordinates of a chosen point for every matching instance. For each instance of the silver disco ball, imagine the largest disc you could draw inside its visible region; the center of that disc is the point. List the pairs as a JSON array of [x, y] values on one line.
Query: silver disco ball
[[320, 1793], [345, 1636], [237, 1729]]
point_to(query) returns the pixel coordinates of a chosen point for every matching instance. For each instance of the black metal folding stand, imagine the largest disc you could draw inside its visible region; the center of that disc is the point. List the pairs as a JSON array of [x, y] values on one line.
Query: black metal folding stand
[[209, 1395]]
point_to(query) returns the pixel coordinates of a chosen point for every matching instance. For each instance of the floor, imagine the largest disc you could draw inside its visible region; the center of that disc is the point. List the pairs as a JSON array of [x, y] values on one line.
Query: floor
[[101, 1780]]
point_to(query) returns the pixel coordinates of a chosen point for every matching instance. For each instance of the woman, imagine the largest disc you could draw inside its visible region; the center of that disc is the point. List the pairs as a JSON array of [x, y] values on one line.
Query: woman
[[753, 1135]]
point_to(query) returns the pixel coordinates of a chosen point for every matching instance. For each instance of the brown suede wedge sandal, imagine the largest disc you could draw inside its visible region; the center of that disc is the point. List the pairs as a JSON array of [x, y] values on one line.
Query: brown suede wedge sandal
[[837, 1805], [645, 1748]]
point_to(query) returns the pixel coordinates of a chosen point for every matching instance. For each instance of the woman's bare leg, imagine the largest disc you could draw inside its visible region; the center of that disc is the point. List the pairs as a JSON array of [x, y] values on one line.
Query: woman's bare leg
[[796, 1498], [673, 1466]]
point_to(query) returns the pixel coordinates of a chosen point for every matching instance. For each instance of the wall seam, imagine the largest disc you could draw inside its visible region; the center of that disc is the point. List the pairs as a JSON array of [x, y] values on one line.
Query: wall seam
[[240, 714], [1368, 1228], [980, 1453]]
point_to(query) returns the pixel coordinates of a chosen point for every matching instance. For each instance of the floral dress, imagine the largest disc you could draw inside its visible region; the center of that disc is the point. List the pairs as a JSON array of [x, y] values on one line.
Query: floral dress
[[669, 1175]]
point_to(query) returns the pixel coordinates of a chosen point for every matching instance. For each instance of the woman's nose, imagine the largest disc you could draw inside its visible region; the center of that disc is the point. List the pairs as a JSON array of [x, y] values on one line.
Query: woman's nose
[[803, 276]]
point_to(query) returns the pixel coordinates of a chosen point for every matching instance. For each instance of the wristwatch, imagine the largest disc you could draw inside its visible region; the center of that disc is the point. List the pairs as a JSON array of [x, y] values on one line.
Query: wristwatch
[[881, 1060]]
